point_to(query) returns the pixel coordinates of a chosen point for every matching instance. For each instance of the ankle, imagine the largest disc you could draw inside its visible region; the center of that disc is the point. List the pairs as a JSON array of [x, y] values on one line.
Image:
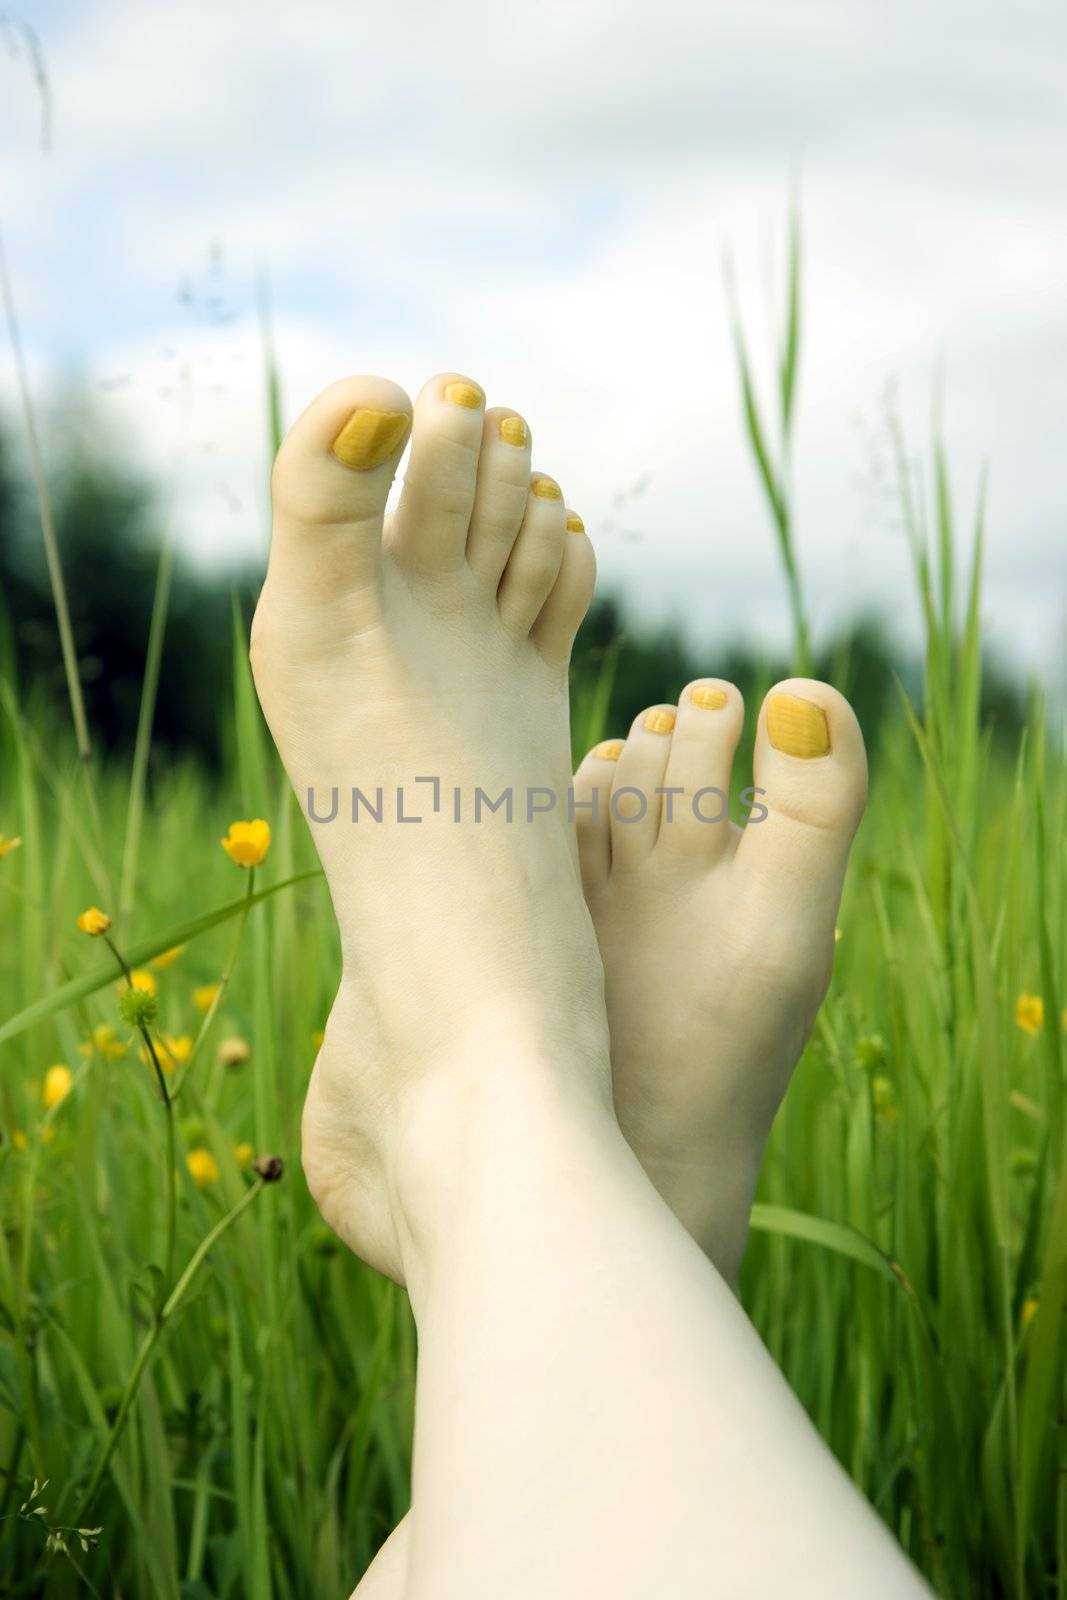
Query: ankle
[[476, 1131]]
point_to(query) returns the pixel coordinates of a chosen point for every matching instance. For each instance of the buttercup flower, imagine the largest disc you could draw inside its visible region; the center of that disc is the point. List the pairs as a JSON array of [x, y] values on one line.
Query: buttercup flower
[[105, 1042], [234, 1052], [94, 921], [7, 845], [19, 1140], [166, 958], [242, 1154], [204, 997], [203, 1167], [142, 979], [1030, 1013], [171, 1052], [247, 843], [57, 1082]]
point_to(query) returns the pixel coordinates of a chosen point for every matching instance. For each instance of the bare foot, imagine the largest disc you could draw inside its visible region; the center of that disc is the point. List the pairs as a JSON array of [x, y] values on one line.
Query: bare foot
[[412, 657], [717, 941]]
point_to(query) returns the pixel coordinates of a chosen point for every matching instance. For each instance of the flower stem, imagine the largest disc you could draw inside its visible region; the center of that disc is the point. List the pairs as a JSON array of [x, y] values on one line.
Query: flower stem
[[151, 1339], [224, 978], [171, 1199]]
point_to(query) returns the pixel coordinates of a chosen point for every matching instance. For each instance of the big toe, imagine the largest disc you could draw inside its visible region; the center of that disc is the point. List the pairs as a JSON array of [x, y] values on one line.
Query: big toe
[[810, 777], [329, 486]]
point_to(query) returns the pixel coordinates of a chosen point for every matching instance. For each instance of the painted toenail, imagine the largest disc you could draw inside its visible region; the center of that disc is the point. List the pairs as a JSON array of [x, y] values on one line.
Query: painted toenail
[[547, 489], [464, 394], [513, 430], [575, 523], [610, 750], [797, 727], [660, 721], [708, 699], [369, 437]]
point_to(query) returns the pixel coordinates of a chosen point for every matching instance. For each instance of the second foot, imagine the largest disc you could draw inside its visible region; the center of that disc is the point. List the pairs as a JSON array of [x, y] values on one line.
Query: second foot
[[717, 940]]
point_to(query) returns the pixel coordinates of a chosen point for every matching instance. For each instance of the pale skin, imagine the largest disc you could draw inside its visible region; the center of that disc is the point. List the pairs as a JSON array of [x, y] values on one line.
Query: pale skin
[[595, 1415]]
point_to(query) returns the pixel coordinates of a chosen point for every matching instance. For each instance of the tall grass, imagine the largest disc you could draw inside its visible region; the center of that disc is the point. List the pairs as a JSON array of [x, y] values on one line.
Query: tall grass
[[908, 1266]]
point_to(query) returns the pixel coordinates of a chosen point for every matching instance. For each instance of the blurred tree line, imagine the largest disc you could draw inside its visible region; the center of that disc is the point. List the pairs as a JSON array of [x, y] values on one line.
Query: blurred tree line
[[108, 529]]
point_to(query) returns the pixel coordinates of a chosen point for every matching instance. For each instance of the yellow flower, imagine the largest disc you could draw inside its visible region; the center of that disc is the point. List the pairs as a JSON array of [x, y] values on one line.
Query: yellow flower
[[166, 958], [203, 1166], [204, 997], [242, 1154], [234, 1052], [19, 1140], [247, 843], [7, 845], [94, 921], [1027, 1312], [1030, 1013], [171, 1052], [57, 1082], [105, 1042], [142, 979]]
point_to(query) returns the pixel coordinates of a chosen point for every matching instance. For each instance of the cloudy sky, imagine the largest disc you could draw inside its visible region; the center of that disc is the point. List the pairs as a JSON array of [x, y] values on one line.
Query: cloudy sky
[[542, 196]]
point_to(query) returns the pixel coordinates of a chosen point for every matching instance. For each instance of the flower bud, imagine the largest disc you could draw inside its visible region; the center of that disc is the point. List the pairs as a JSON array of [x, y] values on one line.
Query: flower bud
[[137, 1007]]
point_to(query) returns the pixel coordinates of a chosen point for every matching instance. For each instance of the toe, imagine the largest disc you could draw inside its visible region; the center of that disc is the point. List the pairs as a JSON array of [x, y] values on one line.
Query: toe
[[536, 557], [696, 805], [429, 531], [592, 799], [568, 601], [636, 795], [501, 493], [810, 776], [329, 486]]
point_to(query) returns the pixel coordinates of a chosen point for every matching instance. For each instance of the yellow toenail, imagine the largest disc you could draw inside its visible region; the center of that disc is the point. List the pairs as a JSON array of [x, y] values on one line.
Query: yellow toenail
[[708, 699], [464, 394], [547, 488], [513, 430], [659, 721], [369, 437], [610, 750], [797, 727], [575, 523]]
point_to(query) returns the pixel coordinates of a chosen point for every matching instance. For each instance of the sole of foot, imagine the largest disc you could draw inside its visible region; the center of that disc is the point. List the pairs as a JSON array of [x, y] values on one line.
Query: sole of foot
[[402, 661], [717, 940]]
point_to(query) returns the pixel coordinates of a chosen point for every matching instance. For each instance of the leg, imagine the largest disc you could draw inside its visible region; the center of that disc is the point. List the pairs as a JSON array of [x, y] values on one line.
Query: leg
[[596, 1416], [716, 957], [459, 1130]]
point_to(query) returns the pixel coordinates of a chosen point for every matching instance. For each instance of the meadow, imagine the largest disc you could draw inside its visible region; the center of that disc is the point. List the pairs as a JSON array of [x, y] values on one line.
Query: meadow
[[203, 1395]]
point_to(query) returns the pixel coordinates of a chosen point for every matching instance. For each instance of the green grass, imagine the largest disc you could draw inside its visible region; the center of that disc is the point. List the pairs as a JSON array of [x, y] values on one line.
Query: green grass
[[912, 1214]]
